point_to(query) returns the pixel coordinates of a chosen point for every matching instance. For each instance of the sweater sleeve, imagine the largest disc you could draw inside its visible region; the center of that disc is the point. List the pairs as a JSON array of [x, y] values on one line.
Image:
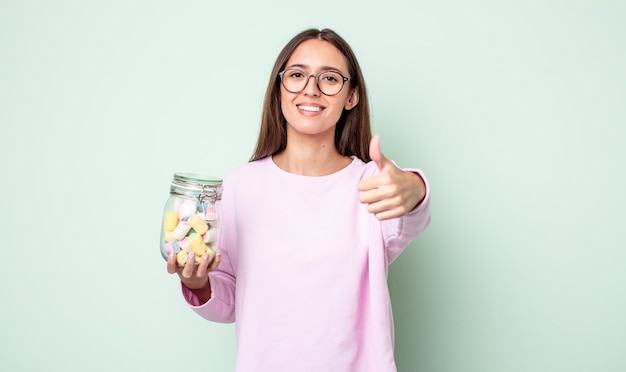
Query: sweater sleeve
[[399, 232], [221, 306]]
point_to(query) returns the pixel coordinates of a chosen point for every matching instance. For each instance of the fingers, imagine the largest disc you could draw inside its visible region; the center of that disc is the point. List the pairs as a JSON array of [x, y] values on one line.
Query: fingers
[[373, 182], [203, 268], [194, 275], [216, 261], [189, 266], [209, 262], [386, 203], [376, 154], [377, 187], [388, 172], [171, 264], [384, 211], [392, 193]]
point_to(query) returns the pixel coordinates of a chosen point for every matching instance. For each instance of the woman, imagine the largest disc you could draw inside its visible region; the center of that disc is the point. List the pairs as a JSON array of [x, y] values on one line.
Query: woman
[[310, 224]]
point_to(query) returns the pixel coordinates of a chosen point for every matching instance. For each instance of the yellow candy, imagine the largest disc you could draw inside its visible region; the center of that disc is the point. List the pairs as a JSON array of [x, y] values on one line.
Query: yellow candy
[[197, 223], [209, 254], [181, 257], [170, 220], [168, 236], [197, 244]]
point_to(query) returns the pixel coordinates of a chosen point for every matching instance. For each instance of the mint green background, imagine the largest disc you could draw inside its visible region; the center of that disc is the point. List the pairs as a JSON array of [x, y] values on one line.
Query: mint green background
[[515, 110]]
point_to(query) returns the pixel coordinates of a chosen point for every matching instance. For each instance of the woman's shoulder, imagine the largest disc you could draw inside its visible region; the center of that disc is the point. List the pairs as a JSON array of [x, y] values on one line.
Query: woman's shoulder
[[251, 169]]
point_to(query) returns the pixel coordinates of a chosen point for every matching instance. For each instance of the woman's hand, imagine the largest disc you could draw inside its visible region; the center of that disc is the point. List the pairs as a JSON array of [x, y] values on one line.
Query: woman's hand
[[195, 277], [392, 192]]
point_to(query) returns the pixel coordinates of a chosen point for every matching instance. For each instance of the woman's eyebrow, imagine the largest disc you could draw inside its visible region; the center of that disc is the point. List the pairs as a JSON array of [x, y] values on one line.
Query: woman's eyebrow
[[322, 68]]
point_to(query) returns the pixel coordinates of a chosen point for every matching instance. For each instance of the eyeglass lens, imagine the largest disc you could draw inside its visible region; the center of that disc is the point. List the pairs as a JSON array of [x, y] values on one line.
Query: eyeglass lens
[[328, 82]]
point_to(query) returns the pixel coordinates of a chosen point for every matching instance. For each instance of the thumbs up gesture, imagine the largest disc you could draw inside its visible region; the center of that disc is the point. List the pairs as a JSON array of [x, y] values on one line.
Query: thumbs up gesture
[[392, 192]]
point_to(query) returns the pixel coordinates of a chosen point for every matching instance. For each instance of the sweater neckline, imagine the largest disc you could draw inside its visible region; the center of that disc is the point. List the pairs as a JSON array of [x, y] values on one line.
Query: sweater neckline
[[281, 172]]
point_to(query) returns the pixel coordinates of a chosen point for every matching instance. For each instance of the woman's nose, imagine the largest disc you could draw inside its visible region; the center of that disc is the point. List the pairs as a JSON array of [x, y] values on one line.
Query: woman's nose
[[311, 88]]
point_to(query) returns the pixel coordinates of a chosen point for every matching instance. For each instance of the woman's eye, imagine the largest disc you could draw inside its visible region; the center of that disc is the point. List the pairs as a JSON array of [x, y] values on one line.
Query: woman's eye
[[330, 78]]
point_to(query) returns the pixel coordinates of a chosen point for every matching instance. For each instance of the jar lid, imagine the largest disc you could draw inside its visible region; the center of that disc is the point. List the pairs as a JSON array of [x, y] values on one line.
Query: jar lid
[[194, 184], [194, 179]]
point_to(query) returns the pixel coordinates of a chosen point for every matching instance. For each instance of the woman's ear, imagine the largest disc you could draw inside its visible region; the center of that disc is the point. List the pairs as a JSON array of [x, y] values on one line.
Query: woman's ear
[[353, 99]]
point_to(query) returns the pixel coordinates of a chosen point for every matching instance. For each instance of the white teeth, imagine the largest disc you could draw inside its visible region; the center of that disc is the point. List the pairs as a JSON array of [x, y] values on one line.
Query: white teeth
[[310, 108]]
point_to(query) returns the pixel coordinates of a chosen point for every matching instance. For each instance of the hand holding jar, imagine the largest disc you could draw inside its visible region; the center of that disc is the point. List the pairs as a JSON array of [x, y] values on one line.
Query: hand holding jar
[[190, 228]]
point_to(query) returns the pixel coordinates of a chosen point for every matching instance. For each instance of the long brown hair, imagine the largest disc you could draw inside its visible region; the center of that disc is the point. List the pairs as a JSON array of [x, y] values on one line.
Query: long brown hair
[[352, 133]]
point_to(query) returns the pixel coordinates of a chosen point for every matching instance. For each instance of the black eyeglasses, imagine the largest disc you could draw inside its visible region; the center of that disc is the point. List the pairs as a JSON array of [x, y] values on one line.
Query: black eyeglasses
[[328, 82]]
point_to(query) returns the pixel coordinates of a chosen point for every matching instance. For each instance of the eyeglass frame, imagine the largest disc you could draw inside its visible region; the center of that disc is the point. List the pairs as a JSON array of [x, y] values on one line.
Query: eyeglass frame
[[317, 81]]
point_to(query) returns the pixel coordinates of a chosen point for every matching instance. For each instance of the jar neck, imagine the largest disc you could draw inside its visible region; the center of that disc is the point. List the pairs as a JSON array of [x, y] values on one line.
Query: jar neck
[[196, 186]]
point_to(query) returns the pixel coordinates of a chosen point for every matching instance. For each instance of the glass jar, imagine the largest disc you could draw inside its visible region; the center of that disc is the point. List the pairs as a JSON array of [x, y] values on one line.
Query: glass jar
[[191, 217]]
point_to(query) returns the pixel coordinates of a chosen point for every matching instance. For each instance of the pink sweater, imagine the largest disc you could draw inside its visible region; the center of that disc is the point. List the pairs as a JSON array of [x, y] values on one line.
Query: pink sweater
[[304, 270]]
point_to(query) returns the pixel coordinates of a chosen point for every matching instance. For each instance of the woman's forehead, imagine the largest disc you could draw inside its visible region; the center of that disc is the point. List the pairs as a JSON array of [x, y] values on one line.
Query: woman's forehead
[[316, 54]]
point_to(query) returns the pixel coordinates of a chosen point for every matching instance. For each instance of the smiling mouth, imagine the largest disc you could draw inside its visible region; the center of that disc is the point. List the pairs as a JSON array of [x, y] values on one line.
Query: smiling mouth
[[310, 108]]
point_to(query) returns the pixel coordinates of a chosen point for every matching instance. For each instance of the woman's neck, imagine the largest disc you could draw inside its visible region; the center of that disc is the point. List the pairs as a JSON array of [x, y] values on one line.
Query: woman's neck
[[311, 158]]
